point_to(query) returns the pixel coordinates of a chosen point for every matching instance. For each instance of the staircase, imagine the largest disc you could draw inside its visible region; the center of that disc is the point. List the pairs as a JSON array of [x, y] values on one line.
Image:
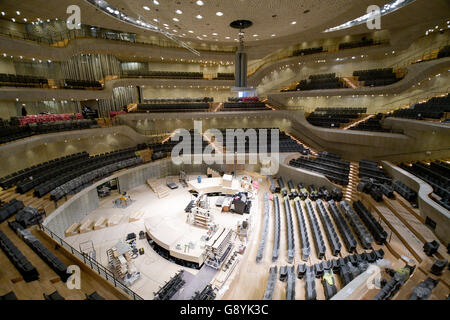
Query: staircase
[[351, 82], [158, 188], [350, 190]]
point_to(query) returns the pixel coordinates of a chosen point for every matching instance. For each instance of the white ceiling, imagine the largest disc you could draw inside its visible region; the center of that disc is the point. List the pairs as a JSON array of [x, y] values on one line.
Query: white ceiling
[[270, 17]]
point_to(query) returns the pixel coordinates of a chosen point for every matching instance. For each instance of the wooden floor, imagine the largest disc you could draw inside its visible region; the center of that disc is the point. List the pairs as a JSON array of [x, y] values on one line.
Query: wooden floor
[[49, 281], [250, 281], [406, 236]]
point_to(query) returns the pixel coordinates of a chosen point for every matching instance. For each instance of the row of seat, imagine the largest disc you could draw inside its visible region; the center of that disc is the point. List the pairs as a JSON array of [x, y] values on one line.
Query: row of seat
[[88, 177], [330, 231], [444, 52], [334, 170], [377, 77], [290, 230], [46, 118], [244, 106], [43, 252], [63, 165], [370, 169], [315, 228], [14, 178], [15, 80], [304, 52], [25, 268], [163, 74], [178, 100], [81, 84], [13, 133], [379, 234], [334, 117], [176, 107], [364, 236], [88, 165], [437, 176], [371, 124], [431, 109], [10, 208], [356, 44], [225, 76], [344, 229], [406, 192]]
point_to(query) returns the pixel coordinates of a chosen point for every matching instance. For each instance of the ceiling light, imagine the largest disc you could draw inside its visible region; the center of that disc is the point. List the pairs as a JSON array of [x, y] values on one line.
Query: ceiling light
[[156, 20], [165, 25], [227, 37], [25, 19], [3, 13], [179, 11], [219, 13], [18, 13], [156, 2], [13, 20], [293, 22], [273, 35], [176, 19], [255, 35], [199, 16], [214, 34], [146, 8], [190, 31], [199, 2]]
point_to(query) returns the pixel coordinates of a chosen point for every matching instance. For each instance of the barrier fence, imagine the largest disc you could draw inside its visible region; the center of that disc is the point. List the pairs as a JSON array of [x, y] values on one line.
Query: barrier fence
[[93, 264]]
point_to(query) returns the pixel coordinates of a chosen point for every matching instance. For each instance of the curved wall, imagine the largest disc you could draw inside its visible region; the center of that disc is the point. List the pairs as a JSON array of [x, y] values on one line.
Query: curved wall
[[38, 149], [427, 207]]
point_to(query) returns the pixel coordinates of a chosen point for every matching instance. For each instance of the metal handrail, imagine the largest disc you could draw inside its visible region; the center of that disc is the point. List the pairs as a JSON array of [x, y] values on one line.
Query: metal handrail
[[93, 264]]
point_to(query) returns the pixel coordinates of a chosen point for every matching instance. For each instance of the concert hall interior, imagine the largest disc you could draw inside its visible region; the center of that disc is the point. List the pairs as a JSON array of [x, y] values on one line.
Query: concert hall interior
[[224, 150]]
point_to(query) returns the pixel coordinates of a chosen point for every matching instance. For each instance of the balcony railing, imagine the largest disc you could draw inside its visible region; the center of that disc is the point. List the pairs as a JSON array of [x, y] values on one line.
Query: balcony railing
[[93, 264]]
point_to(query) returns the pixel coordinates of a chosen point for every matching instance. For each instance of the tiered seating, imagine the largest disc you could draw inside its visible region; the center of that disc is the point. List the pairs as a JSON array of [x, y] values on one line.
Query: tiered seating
[[304, 240], [290, 230], [9, 209], [371, 170], [244, 106], [437, 176], [377, 77], [163, 74], [304, 52], [334, 117], [371, 124], [332, 167], [285, 142], [171, 287], [15, 80], [26, 269], [49, 258], [406, 192], [276, 238], [81, 84], [176, 107], [262, 244], [432, 109], [346, 234], [444, 52], [225, 76], [356, 44], [41, 118], [178, 100], [331, 233], [320, 82], [13, 133], [50, 170], [364, 236], [379, 234], [317, 234], [168, 146], [393, 285], [25, 174], [115, 163]]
